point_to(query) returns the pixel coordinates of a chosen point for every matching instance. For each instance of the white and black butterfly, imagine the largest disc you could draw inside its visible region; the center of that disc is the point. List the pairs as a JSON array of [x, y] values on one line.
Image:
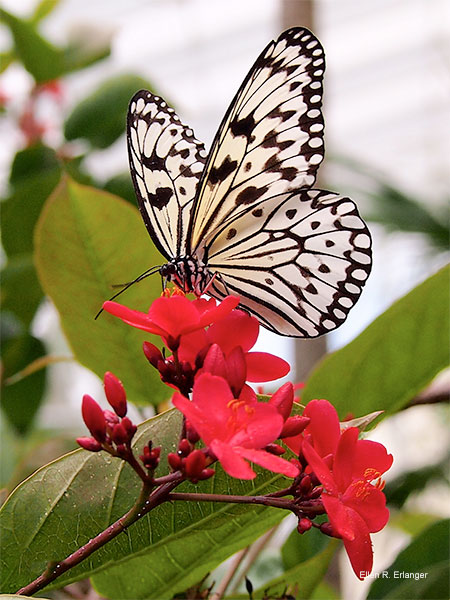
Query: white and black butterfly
[[244, 219]]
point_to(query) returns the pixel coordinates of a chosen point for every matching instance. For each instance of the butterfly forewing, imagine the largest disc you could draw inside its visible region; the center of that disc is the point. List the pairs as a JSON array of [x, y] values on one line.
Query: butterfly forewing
[[271, 139], [298, 265], [166, 162]]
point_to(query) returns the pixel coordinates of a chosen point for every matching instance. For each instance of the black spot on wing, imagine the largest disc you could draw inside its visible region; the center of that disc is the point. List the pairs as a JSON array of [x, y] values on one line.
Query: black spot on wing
[[219, 174], [161, 198], [250, 194], [243, 126]]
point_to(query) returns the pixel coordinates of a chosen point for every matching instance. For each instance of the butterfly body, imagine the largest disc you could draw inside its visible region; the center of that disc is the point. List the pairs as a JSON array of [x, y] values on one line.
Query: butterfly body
[[244, 218], [189, 273]]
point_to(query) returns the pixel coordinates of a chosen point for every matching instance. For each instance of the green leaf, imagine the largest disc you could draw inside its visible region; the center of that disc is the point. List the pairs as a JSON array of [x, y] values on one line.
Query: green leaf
[[393, 359], [78, 55], [86, 241], [34, 174], [122, 186], [43, 9], [421, 570], [300, 581], [40, 58], [101, 117], [6, 58], [21, 400], [69, 501], [299, 548], [21, 292]]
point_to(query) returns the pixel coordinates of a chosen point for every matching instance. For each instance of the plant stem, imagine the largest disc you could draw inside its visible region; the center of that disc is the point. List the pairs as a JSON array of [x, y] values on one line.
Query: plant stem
[[223, 586], [144, 504], [230, 499]]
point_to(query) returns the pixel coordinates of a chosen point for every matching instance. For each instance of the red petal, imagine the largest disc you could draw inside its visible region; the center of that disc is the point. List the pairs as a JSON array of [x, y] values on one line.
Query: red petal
[[231, 462], [269, 461], [237, 329], [191, 344], [134, 318], [343, 460], [319, 467], [324, 426], [219, 312], [370, 458], [359, 549], [283, 399], [369, 502], [262, 366], [175, 315], [339, 516], [257, 427]]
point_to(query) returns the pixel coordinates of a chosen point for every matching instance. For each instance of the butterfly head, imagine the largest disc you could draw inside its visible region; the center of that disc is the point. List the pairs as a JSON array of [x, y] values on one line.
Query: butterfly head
[[188, 273]]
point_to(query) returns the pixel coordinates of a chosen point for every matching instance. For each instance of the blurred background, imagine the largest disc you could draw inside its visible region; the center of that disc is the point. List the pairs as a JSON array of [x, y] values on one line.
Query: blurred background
[[387, 114]]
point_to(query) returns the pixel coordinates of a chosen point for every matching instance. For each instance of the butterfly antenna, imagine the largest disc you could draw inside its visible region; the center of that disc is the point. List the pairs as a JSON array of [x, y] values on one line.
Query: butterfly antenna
[[127, 285]]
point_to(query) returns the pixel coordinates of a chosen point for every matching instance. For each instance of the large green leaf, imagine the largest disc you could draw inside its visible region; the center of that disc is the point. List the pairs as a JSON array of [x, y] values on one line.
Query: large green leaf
[[100, 118], [21, 400], [421, 571], [69, 501], [87, 240], [393, 359], [40, 58]]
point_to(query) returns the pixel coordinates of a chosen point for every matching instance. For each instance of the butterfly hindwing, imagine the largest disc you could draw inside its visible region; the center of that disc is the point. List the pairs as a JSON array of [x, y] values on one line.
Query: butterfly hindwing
[[166, 162], [271, 138], [298, 264]]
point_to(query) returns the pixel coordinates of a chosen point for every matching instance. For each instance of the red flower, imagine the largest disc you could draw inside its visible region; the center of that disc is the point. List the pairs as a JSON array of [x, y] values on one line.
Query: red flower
[[323, 429], [174, 316], [237, 329], [234, 429], [355, 506]]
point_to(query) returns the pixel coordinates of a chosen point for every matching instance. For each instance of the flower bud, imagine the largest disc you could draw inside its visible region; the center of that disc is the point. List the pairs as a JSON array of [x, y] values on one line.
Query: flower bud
[[206, 474], [305, 485], [130, 427], [89, 444], [275, 449], [115, 394], [195, 463], [282, 400], [184, 447], [237, 370], [110, 418], [152, 353], [94, 418], [293, 426], [174, 461], [191, 433], [304, 525], [119, 434]]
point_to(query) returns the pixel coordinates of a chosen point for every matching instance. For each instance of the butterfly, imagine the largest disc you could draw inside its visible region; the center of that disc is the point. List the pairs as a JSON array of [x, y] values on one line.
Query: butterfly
[[244, 219]]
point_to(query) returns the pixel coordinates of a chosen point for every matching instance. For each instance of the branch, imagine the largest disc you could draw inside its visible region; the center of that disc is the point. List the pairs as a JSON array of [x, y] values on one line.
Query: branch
[[144, 505]]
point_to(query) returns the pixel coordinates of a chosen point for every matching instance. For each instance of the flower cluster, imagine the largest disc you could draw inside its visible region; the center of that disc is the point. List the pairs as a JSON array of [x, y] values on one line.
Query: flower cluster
[[208, 360], [347, 473], [111, 431]]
